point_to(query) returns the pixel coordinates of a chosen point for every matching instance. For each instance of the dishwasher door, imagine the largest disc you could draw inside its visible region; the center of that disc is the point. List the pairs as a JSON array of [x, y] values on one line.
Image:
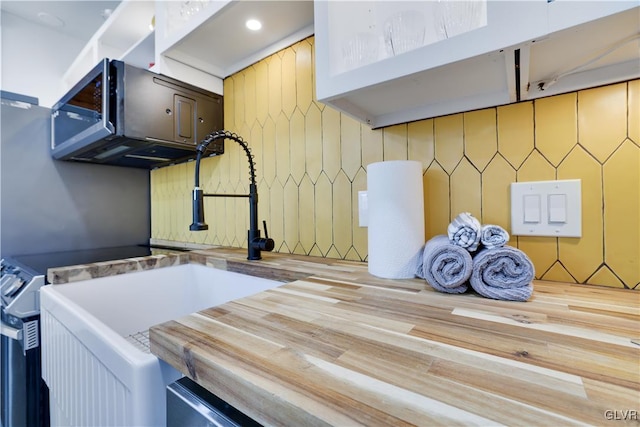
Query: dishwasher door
[[189, 404]]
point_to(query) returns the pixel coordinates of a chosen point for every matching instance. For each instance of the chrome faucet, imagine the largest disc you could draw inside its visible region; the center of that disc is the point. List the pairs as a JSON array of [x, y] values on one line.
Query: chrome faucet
[[255, 243]]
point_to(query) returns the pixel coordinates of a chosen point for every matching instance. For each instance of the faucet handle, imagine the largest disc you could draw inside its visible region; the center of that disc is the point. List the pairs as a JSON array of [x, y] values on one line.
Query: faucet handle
[[266, 244]]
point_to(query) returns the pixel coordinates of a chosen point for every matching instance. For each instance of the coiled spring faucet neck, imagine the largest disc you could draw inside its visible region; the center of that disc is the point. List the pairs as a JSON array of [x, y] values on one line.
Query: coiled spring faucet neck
[[255, 243]]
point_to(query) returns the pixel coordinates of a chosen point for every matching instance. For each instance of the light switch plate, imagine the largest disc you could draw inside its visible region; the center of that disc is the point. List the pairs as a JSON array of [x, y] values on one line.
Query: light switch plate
[[546, 208]]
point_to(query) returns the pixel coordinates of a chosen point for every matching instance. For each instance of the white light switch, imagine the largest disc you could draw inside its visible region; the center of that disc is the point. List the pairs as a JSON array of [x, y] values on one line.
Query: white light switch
[[532, 208], [557, 204], [546, 208]]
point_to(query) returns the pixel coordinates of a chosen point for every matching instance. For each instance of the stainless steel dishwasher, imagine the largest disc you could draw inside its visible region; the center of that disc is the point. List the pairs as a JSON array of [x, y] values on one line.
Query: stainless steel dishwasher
[[189, 404]]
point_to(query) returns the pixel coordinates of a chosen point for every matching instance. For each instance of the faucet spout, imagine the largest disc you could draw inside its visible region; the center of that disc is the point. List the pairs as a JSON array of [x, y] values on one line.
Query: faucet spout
[[255, 243]]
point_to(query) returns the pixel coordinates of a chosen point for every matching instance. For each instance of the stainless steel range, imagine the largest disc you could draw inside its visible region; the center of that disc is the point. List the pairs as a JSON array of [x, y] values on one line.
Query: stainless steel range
[[24, 394], [25, 398]]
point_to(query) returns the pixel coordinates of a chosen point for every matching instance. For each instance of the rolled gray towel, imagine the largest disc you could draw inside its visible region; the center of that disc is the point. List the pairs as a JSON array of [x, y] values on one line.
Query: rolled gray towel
[[445, 266], [502, 273], [493, 236], [464, 231]]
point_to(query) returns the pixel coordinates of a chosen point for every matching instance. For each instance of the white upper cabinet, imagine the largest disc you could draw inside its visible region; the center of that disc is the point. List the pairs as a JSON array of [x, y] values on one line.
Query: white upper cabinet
[[127, 35], [197, 41], [205, 41], [389, 62]]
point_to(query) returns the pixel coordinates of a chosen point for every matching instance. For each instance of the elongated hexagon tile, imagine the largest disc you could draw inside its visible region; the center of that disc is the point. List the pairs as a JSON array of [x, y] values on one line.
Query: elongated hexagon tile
[[352, 255], [605, 277], [333, 253], [249, 95], [245, 131], [372, 147], [264, 205], [342, 221], [213, 174], [269, 151], [481, 139], [229, 106], [238, 96], [496, 192], [233, 154], [262, 91], [556, 131], [312, 42], [583, 256], [602, 119], [515, 132], [297, 145], [241, 219], [449, 141], [291, 203], [306, 213], [466, 192], [275, 86], [622, 212], [542, 251], [436, 200], [229, 224], [288, 79], [634, 111], [283, 153], [255, 145], [299, 250], [304, 75], [324, 214], [282, 248], [331, 142], [536, 168], [360, 234], [313, 142], [158, 205], [557, 273], [395, 142], [276, 207], [315, 251], [350, 146], [421, 142]]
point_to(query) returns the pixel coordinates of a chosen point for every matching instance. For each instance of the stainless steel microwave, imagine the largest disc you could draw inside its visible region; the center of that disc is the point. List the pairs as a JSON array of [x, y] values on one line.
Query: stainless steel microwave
[[127, 116]]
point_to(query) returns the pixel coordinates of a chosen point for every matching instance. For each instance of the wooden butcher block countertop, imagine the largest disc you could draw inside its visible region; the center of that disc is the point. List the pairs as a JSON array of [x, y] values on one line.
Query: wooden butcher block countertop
[[337, 346]]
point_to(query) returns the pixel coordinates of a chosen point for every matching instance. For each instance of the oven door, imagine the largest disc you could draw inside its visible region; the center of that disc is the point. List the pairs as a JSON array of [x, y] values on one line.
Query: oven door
[[24, 398], [86, 114]]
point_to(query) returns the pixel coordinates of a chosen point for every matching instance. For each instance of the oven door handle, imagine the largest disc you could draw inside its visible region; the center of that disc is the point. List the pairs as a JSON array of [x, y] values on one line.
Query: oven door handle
[[10, 332]]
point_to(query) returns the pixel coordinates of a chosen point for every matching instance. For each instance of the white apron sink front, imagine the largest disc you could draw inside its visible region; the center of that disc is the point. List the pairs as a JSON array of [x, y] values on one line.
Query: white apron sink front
[[96, 372]]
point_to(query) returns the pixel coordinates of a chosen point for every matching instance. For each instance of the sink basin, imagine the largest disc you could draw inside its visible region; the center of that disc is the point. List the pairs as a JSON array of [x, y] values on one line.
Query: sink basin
[[94, 357]]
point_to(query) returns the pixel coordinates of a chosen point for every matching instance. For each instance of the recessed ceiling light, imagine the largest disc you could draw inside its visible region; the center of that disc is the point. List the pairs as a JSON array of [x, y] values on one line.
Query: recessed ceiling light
[[106, 13], [50, 20], [253, 24]]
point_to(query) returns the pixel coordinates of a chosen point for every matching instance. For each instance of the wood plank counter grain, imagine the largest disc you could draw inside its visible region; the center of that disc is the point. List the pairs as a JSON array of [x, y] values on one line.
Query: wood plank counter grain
[[337, 346]]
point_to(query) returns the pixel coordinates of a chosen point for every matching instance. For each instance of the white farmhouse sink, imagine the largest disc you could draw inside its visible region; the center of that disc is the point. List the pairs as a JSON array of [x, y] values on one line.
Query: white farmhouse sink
[[96, 373]]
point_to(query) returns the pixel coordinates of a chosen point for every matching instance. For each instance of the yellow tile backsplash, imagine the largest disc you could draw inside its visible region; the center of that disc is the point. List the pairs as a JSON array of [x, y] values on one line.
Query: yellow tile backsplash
[[311, 162]]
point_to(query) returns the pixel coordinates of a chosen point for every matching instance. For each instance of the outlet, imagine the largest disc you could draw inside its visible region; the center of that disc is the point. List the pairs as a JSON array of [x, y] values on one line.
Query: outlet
[[363, 209]]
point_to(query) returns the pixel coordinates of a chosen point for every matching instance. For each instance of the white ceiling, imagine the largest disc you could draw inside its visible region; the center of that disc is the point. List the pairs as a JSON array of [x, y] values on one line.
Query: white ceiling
[[80, 19]]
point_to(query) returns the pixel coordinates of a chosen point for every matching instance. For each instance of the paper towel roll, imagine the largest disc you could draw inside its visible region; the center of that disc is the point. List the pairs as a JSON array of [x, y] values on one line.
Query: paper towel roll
[[396, 218]]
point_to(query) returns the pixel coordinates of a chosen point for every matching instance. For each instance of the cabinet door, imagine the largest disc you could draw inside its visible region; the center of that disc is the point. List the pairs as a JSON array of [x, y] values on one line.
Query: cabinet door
[[449, 41], [506, 54]]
